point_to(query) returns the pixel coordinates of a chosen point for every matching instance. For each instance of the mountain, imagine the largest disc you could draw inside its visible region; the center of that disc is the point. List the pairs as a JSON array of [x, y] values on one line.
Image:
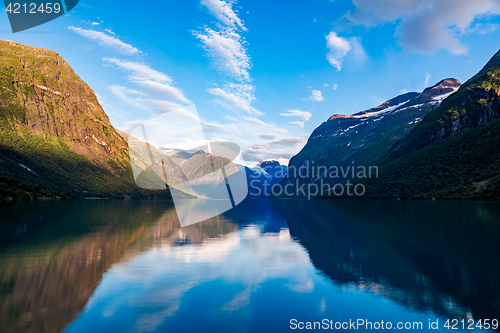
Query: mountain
[[264, 176], [179, 156], [275, 170], [150, 175], [454, 152], [55, 139], [366, 136], [208, 174], [201, 170], [475, 104]]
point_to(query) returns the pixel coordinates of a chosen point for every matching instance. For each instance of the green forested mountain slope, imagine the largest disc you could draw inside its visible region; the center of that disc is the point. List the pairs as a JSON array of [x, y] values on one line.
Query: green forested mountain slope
[[454, 153], [364, 137], [55, 139], [474, 104]]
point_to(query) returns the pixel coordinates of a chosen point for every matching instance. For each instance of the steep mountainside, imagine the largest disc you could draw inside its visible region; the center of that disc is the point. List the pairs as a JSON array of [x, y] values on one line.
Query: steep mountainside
[[475, 103], [366, 136], [454, 152], [55, 139]]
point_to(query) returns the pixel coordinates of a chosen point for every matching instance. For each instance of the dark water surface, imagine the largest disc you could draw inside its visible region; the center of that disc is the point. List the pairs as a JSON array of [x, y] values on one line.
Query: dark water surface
[[127, 266]]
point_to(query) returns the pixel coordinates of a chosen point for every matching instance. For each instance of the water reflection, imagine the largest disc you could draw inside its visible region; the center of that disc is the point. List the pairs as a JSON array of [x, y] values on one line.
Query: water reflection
[[129, 266], [53, 255], [439, 256]]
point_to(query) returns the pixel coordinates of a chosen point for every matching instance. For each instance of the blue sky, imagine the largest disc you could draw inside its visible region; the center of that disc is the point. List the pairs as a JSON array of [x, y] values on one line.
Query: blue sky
[[264, 74]]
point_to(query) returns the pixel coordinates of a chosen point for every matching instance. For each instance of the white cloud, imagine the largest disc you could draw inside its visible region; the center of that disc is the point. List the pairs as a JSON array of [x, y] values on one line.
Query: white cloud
[[256, 121], [335, 86], [427, 78], [304, 115], [297, 123], [283, 148], [160, 105], [96, 23], [316, 96], [425, 26], [225, 49], [106, 40], [337, 49], [223, 12], [136, 99], [288, 141], [483, 29], [358, 51], [125, 95], [150, 79], [239, 95], [109, 31], [268, 136], [325, 84]]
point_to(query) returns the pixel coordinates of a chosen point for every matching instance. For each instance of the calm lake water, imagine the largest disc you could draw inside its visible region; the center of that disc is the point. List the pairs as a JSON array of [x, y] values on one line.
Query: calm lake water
[[127, 266]]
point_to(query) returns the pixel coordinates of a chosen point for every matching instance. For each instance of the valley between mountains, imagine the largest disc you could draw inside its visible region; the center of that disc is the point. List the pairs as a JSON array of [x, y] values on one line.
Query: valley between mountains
[[56, 141]]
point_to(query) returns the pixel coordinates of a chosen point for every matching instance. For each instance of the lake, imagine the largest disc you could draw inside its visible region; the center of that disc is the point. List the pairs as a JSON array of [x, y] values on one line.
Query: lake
[[264, 266]]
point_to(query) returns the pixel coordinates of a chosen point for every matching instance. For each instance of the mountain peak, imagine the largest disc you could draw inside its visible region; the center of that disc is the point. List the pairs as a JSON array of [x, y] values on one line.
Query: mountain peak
[[449, 83], [268, 163]]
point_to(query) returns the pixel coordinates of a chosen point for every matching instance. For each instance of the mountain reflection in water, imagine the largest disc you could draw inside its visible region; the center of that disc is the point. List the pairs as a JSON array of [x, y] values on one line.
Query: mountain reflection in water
[[126, 266]]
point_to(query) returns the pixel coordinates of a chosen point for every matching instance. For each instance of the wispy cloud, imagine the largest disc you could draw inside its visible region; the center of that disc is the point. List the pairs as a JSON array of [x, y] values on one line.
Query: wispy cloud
[[427, 79], [282, 148], [159, 105], [335, 86], [337, 49], [106, 40], [268, 136], [316, 96], [225, 49], [358, 51], [150, 79], [256, 121], [223, 12], [304, 115], [239, 95], [297, 123], [483, 29]]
